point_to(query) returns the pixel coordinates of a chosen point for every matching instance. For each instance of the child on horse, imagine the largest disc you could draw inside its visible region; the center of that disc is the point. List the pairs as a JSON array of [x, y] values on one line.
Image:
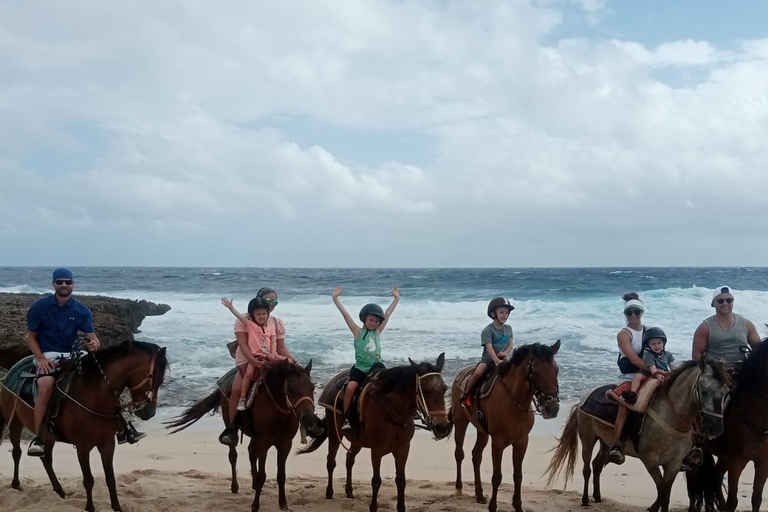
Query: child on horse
[[655, 357], [261, 345], [496, 340], [367, 343]]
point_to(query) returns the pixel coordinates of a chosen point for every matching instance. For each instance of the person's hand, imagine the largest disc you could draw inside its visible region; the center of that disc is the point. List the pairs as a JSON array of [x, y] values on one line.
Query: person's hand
[[91, 345], [44, 366], [396, 292], [501, 355], [336, 292], [661, 376], [228, 303]]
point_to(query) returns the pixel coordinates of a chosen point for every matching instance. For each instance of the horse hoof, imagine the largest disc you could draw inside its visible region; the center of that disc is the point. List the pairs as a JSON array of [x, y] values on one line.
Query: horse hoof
[[329, 495], [481, 499], [598, 499]]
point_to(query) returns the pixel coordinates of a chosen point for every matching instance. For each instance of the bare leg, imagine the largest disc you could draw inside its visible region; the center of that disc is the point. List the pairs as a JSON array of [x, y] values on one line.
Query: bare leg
[[107, 451], [84, 457], [401, 457], [48, 465], [518, 454], [477, 459], [376, 456], [44, 392], [348, 394], [497, 452], [235, 396], [353, 451]]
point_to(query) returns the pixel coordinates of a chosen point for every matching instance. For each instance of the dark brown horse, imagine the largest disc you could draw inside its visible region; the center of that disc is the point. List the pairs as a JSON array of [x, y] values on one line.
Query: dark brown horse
[[744, 439], [529, 376], [88, 416], [285, 399], [394, 396]]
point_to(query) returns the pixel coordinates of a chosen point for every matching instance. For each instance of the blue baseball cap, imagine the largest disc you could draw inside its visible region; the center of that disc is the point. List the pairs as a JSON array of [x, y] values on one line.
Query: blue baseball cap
[[62, 273]]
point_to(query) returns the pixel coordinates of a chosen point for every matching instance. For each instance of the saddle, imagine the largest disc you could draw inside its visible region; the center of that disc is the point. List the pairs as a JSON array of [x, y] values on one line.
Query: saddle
[[482, 390], [225, 386], [332, 396], [644, 395]]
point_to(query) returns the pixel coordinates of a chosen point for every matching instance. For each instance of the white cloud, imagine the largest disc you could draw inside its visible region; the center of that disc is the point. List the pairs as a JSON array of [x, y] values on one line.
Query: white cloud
[[564, 138]]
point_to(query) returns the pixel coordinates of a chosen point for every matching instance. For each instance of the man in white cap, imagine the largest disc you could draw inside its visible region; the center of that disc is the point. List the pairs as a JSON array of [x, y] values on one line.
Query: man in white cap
[[724, 336]]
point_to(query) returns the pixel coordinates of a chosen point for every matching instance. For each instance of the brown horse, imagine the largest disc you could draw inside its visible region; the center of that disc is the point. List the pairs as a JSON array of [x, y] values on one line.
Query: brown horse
[[89, 415], [285, 399], [530, 375], [744, 439], [394, 396], [694, 390]]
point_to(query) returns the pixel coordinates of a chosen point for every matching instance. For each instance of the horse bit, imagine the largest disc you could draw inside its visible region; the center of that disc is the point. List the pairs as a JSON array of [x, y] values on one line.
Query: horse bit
[[539, 397]]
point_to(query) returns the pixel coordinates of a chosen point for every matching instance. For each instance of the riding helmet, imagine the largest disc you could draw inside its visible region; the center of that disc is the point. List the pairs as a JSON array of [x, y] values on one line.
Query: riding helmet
[[499, 302], [371, 309], [257, 303], [654, 332]]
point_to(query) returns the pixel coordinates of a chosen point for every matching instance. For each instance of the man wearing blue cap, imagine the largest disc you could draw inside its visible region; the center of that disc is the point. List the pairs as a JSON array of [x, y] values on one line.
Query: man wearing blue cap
[[53, 323]]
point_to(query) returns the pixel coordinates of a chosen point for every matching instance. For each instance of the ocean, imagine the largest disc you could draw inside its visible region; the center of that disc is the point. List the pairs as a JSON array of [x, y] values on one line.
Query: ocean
[[441, 310]]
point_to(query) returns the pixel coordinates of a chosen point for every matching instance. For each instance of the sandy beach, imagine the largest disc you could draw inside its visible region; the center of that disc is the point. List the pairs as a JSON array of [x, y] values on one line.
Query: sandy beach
[[189, 471]]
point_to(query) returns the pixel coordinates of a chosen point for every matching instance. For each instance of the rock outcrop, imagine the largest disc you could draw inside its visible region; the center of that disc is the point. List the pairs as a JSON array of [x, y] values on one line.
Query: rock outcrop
[[114, 320]]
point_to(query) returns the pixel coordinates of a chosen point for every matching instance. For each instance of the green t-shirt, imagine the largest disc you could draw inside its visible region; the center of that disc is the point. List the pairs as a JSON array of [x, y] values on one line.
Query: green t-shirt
[[367, 350]]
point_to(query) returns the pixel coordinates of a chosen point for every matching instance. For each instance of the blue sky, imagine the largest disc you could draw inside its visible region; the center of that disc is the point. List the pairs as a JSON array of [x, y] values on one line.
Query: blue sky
[[383, 133]]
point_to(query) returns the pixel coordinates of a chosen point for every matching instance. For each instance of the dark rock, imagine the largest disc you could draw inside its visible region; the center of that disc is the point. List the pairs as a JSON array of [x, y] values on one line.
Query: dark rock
[[114, 320]]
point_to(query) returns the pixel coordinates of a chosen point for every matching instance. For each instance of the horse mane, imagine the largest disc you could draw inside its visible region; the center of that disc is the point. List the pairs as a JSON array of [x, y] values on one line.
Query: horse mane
[[105, 356], [276, 373], [750, 375], [521, 352], [399, 379], [719, 372]]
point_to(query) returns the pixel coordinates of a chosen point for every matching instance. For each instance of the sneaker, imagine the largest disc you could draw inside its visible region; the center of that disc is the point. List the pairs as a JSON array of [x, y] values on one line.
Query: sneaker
[[229, 436], [345, 426], [241, 404], [616, 455], [36, 448]]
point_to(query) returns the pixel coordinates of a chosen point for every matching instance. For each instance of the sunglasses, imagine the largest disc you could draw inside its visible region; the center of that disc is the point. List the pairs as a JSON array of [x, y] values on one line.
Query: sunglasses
[[723, 301], [69, 282], [633, 312], [271, 302]]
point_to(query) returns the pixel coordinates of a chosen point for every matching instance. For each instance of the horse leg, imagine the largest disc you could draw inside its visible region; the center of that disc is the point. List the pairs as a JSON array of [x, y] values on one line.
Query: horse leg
[[477, 459], [84, 457], [15, 435], [671, 471], [655, 473], [258, 455], [459, 432], [351, 454], [376, 456], [761, 473], [721, 468], [333, 449], [497, 452], [518, 454], [598, 463], [107, 451], [282, 455], [233, 462], [735, 468], [401, 457], [47, 461]]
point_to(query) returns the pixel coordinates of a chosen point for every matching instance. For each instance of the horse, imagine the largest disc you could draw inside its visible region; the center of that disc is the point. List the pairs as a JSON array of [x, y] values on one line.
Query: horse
[[88, 416], [284, 400], [393, 396], [529, 375], [694, 390], [744, 439]]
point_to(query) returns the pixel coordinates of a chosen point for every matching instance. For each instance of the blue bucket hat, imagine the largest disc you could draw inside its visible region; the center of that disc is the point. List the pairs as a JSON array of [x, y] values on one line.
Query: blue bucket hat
[[62, 273]]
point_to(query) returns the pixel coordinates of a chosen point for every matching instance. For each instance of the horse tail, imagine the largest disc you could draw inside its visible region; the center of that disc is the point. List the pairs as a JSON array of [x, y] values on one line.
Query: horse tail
[[565, 451], [702, 484], [318, 441], [207, 405]]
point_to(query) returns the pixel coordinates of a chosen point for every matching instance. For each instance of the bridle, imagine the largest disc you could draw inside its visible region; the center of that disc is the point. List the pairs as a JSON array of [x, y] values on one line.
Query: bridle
[[539, 397], [292, 406], [422, 409]]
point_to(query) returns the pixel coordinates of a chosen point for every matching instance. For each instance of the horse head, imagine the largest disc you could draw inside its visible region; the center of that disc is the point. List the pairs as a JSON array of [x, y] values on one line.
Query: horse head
[[146, 378], [712, 387], [297, 391], [541, 373], [430, 396]]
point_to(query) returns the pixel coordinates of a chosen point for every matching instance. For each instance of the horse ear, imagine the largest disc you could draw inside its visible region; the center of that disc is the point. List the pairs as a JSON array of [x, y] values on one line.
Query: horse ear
[[555, 347], [161, 353], [440, 362], [413, 364], [308, 368], [703, 363]]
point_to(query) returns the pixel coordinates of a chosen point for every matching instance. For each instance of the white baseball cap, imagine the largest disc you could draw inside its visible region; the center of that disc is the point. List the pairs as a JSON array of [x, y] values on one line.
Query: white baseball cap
[[720, 290]]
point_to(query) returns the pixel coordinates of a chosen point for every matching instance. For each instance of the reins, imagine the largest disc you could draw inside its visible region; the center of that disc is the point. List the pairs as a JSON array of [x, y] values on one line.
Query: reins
[[538, 397]]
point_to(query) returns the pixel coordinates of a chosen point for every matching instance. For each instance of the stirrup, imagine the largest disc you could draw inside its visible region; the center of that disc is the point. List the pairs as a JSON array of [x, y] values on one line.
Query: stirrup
[[616, 455]]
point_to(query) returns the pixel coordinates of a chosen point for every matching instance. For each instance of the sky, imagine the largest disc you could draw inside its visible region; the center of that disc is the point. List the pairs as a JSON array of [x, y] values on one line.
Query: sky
[[384, 133]]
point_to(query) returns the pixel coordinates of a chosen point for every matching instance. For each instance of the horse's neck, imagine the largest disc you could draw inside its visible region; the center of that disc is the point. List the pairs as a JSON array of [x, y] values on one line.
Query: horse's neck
[[517, 383], [681, 396], [404, 401]]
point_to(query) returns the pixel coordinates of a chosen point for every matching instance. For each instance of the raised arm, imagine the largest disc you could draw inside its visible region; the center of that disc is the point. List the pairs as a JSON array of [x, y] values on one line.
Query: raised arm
[[390, 309], [347, 317], [700, 341], [229, 304]]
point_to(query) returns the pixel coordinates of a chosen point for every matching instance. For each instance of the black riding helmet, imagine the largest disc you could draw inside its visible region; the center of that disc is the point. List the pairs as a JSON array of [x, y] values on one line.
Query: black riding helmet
[[371, 309], [497, 303], [257, 303], [654, 332]]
